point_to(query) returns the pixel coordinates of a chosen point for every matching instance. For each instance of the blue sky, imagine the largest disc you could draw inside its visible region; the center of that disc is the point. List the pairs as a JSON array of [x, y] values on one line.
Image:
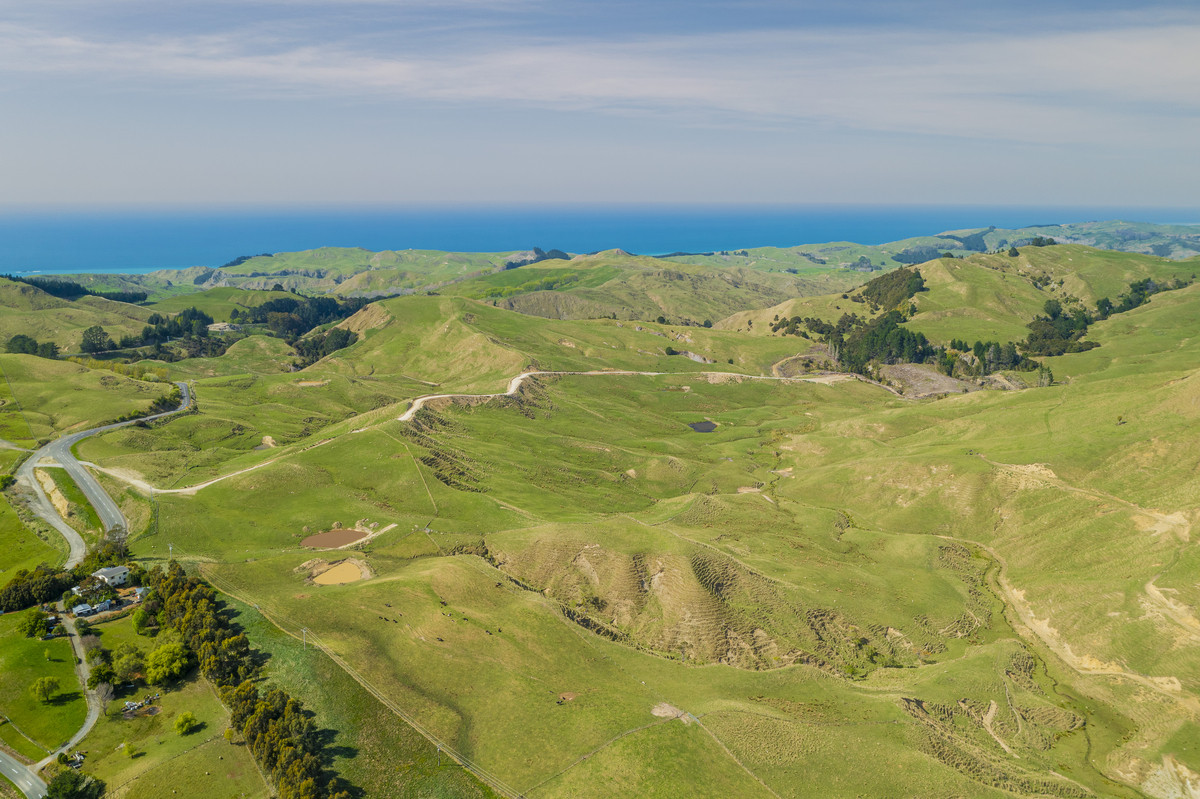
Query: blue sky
[[130, 103]]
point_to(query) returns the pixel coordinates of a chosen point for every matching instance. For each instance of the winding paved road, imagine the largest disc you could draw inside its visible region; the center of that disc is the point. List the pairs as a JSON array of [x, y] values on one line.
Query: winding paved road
[[59, 451]]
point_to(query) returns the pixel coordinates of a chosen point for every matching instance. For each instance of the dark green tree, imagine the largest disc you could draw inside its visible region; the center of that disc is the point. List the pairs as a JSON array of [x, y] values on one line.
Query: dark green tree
[[70, 784], [34, 624], [22, 344], [95, 340]]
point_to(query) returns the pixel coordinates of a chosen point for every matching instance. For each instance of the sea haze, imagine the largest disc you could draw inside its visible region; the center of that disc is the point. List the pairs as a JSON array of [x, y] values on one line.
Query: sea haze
[[142, 241]]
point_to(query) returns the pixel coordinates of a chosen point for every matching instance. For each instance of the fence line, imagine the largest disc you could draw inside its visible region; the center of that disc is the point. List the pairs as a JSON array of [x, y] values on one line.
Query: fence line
[[491, 780]]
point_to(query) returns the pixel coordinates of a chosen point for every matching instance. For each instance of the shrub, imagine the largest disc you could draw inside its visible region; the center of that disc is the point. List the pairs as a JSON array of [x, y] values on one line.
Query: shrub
[[186, 722], [44, 688]]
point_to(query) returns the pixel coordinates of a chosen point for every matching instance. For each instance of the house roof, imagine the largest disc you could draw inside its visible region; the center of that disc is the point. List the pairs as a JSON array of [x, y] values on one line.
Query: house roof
[[111, 571]]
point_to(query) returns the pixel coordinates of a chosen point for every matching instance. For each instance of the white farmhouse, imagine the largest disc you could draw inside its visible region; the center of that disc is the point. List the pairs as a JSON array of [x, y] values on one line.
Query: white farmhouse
[[113, 575]]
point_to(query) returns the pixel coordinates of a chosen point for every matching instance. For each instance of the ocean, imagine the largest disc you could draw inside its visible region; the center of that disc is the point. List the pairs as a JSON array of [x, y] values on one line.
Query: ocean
[[132, 242]]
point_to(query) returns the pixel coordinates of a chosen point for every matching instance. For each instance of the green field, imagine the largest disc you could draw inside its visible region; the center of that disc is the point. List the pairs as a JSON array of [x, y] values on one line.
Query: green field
[[30, 311], [202, 761], [373, 748], [218, 302], [836, 591], [22, 548], [23, 660], [42, 398]]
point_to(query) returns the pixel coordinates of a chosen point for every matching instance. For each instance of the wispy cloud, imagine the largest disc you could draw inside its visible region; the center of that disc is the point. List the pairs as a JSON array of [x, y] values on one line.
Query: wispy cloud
[[1115, 86]]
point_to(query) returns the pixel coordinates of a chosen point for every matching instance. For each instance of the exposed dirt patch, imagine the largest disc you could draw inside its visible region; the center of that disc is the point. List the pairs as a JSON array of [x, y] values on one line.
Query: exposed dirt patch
[[988, 719], [342, 573], [338, 572], [749, 489], [567, 696], [665, 711], [149, 710], [1156, 602], [332, 539], [828, 380], [267, 441], [915, 380], [311, 383], [1003, 382], [56, 497], [340, 538], [1172, 779], [1159, 523], [719, 378]]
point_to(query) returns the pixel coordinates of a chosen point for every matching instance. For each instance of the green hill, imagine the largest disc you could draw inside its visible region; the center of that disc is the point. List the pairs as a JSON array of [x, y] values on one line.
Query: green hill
[[670, 571], [990, 297], [217, 302], [614, 283], [29, 311]]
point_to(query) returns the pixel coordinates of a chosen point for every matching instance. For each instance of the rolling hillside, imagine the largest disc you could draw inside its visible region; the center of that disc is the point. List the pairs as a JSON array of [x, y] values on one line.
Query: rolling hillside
[[990, 297], [30, 311], [663, 568]]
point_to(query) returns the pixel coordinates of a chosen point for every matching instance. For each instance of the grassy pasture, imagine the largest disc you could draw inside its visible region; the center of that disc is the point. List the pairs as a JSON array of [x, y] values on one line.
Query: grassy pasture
[[631, 287], [256, 354], [30, 311], [44, 397], [23, 660], [990, 297], [352, 270], [212, 769], [987, 594], [373, 748], [462, 345], [201, 760], [570, 422], [217, 302], [23, 549]]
